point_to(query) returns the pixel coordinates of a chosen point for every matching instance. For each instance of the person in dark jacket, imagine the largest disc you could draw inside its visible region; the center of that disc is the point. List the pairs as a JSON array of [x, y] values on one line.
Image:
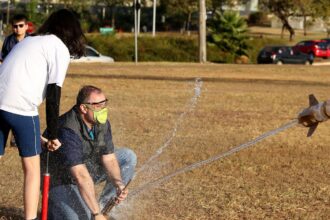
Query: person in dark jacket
[[87, 157], [19, 27]]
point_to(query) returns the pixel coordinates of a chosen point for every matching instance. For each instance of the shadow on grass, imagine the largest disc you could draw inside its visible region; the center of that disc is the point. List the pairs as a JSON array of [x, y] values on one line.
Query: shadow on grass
[[205, 79], [8, 213]]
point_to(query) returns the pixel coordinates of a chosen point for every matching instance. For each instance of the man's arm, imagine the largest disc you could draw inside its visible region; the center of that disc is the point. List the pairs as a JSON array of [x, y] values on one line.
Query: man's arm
[[86, 188], [111, 165]]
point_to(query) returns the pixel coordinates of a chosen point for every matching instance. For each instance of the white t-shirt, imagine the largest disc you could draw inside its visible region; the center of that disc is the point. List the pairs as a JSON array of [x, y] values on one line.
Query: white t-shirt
[[27, 70]]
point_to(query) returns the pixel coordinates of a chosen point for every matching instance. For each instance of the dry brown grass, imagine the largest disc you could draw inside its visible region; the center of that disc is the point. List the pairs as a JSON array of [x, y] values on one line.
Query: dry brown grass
[[284, 177]]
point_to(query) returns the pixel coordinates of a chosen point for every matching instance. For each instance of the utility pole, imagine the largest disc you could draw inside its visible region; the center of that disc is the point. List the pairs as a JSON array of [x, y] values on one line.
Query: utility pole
[[136, 23], [202, 31], [154, 19]]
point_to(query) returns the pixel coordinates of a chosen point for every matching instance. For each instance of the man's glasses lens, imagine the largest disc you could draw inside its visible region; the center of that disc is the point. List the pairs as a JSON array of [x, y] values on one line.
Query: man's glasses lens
[[18, 25]]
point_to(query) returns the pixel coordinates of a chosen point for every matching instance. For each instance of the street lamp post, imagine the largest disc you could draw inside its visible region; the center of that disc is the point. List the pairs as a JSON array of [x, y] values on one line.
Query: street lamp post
[[136, 24], [154, 19]]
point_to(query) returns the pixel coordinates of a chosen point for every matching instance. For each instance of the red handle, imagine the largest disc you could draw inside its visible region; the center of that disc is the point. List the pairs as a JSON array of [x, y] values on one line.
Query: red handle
[[45, 190]]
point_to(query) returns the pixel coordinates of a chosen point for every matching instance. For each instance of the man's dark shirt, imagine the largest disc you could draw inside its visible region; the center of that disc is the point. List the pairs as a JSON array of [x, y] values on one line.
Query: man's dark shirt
[[71, 154], [8, 44]]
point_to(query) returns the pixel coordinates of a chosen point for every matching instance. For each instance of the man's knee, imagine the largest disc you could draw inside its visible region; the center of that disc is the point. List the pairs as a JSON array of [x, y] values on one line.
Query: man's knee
[[131, 157], [126, 156]]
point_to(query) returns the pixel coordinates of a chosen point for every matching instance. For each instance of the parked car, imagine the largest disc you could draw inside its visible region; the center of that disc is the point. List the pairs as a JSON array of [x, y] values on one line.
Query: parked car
[[268, 54], [31, 27], [327, 40], [328, 45], [314, 48], [293, 56], [92, 55]]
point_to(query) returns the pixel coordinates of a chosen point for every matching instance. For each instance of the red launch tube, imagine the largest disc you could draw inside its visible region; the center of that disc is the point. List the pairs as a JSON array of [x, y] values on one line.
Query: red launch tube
[[45, 191]]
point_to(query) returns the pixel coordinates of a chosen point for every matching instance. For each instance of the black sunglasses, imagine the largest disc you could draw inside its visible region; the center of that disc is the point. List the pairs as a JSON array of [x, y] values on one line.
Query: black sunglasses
[[18, 25]]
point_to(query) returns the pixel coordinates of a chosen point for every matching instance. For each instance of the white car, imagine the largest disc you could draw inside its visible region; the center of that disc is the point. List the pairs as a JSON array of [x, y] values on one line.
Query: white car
[[91, 56]]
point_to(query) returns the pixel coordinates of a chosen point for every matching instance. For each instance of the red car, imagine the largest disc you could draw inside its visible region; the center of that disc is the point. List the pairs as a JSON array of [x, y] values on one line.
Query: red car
[[327, 40], [31, 27], [314, 48]]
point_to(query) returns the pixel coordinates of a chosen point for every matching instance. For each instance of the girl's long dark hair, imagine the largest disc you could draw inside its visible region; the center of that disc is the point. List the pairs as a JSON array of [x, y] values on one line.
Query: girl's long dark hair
[[66, 26]]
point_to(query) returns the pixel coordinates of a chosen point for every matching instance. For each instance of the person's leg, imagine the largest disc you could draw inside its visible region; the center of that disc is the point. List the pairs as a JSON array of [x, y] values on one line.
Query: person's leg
[[4, 130], [65, 203], [127, 162], [12, 142], [27, 133], [31, 168]]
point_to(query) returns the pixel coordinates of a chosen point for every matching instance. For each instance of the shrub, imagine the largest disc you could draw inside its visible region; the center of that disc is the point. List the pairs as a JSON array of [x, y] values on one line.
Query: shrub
[[258, 18], [169, 48], [228, 31]]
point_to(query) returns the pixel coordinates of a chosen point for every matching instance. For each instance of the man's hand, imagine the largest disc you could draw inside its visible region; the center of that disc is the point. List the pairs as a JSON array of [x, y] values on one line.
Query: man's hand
[[51, 145], [100, 217], [122, 193]]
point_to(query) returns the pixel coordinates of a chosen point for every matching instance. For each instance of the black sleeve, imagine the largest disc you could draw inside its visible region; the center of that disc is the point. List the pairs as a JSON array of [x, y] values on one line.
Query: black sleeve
[[53, 96], [4, 51]]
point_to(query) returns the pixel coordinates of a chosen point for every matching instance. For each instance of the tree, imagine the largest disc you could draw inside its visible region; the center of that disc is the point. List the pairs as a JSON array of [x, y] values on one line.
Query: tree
[[307, 8], [217, 5], [325, 14], [79, 6], [184, 7], [229, 33], [322, 10], [282, 9], [112, 4]]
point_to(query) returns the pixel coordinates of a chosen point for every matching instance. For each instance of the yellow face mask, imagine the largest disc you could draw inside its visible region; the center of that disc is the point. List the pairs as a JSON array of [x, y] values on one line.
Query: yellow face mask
[[101, 116]]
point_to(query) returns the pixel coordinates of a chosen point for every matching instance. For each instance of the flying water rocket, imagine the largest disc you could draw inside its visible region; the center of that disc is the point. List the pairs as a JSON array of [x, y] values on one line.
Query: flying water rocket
[[308, 117]]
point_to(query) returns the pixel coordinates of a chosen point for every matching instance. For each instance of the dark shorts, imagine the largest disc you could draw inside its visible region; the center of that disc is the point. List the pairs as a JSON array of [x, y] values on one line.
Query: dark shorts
[[26, 130]]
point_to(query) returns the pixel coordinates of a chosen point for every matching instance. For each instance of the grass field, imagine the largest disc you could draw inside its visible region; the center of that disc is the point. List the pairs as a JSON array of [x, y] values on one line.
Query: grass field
[[158, 106]]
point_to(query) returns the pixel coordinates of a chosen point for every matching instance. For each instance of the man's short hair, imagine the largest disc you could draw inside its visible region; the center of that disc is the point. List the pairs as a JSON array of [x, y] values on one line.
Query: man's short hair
[[19, 17], [85, 92]]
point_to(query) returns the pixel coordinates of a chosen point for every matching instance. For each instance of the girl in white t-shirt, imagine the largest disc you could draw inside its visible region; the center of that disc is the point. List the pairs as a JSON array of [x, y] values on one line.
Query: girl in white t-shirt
[[33, 71]]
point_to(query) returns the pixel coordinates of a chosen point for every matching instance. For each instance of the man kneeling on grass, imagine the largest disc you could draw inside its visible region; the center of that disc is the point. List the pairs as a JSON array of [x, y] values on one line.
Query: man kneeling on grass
[[87, 157]]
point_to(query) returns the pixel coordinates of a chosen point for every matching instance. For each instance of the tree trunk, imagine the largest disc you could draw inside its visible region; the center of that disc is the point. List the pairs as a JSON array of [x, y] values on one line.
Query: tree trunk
[[305, 19], [290, 29], [286, 25], [302, 8], [305, 25], [188, 23], [282, 31], [184, 27], [113, 17]]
